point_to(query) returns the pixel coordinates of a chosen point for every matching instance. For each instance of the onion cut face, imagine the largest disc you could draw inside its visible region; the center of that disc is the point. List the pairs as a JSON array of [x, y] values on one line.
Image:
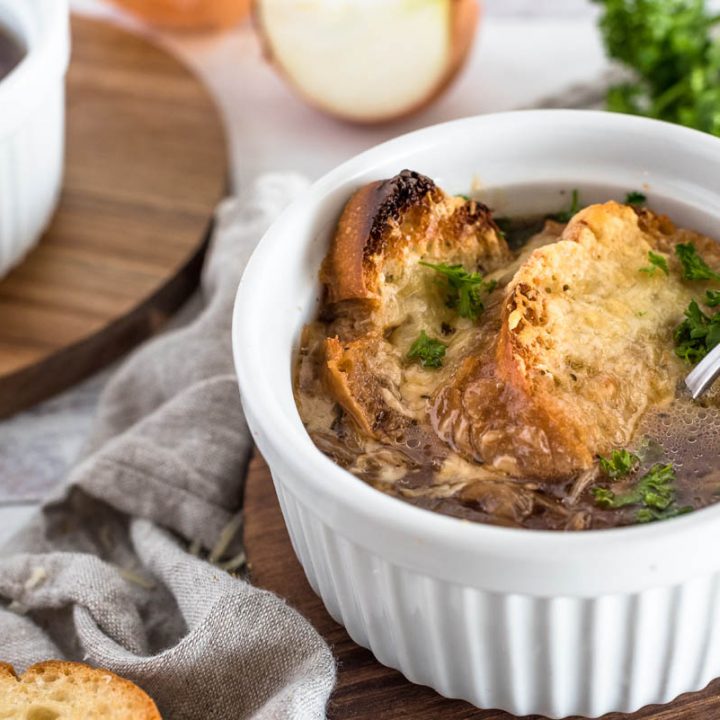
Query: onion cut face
[[368, 60]]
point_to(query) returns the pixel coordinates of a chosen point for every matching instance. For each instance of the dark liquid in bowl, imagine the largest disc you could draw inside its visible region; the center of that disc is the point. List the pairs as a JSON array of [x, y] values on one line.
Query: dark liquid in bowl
[[11, 52]]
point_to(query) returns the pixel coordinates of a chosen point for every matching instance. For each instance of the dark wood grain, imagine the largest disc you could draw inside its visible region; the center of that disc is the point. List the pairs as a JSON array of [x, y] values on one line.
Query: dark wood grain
[[146, 166], [367, 690]]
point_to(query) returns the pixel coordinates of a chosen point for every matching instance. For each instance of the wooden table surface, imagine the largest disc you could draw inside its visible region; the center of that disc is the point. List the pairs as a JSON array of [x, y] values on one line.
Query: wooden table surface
[[146, 166], [366, 690]]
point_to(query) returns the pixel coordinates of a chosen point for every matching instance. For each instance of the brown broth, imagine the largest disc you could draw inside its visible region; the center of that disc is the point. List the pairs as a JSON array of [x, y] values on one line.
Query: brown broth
[[685, 433]]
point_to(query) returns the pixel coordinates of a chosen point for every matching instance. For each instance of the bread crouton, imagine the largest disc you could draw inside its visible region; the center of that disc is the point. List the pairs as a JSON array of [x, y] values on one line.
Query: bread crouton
[[70, 691], [585, 348]]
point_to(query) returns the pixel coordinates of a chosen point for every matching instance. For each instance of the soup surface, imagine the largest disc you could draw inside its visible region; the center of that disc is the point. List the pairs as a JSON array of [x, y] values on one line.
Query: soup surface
[[11, 52], [521, 372]]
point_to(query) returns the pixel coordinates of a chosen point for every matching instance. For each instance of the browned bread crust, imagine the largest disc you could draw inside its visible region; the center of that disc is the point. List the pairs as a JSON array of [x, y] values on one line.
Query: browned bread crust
[[380, 296], [360, 375], [71, 689], [364, 233], [386, 221]]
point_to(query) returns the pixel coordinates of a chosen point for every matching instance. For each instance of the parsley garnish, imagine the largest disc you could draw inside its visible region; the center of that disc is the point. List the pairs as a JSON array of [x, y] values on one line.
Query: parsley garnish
[[427, 351], [654, 492], [670, 48], [649, 515], [564, 216], [697, 335], [693, 266], [619, 464], [466, 198], [712, 298], [656, 261], [635, 198], [463, 289]]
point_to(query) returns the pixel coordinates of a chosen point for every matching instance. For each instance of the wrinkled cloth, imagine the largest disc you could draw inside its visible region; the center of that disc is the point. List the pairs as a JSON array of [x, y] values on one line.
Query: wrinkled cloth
[[111, 570]]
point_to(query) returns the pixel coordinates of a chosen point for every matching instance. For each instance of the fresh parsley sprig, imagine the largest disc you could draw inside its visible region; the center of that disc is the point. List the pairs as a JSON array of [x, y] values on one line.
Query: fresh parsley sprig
[[653, 494], [564, 216], [428, 351], [635, 198], [674, 58], [693, 266], [697, 335], [619, 464], [656, 261], [645, 515], [463, 288]]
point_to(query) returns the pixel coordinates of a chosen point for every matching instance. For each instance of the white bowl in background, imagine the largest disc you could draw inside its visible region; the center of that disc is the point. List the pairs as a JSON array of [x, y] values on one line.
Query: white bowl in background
[[32, 124], [527, 621]]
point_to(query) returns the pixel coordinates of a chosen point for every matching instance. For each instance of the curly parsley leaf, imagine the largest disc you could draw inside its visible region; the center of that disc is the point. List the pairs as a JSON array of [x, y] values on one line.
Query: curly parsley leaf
[[565, 216], [635, 198], [619, 464], [428, 351], [712, 298], [654, 494], [693, 266], [464, 289], [674, 58], [645, 515], [656, 261], [697, 335]]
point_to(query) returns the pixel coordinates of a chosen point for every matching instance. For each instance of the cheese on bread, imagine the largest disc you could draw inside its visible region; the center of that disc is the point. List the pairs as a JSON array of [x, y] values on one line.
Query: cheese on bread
[[585, 348]]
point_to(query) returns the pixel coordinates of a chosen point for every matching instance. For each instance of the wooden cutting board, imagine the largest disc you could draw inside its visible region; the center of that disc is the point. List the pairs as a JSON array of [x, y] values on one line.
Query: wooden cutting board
[[367, 690], [146, 166]]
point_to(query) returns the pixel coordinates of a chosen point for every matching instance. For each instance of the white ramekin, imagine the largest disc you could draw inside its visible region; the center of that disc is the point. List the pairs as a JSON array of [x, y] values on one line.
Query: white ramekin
[[526, 621], [32, 124]]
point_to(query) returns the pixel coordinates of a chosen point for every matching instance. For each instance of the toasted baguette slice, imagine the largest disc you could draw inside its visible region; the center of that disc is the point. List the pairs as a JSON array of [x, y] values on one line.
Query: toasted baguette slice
[[585, 348], [59, 690], [388, 226], [380, 297]]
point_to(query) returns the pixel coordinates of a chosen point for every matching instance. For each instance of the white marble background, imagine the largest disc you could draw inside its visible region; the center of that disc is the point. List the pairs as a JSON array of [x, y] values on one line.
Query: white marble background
[[526, 50]]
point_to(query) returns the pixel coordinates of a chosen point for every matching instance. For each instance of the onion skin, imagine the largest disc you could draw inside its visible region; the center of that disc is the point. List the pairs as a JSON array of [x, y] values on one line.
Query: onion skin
[[193, 15], [464, 23]]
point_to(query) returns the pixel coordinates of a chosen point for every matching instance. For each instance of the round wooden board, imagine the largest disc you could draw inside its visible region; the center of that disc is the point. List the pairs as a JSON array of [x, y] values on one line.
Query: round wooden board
[[146, 166], [365, 689]]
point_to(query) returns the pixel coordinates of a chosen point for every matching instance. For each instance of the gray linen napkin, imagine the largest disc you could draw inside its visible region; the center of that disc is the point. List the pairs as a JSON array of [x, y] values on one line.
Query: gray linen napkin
[[108, 572]]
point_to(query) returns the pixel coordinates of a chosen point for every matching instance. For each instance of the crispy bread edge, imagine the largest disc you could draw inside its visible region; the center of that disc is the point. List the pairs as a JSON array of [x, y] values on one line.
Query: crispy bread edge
[[361, 231], [150, 710]]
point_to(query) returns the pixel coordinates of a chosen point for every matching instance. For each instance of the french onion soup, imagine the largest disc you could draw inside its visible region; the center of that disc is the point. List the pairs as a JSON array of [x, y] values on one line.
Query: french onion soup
[[524, 373]]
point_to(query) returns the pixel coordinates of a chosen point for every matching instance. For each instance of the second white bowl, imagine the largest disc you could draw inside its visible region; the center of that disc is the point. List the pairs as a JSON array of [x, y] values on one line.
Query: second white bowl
[[32, 124]]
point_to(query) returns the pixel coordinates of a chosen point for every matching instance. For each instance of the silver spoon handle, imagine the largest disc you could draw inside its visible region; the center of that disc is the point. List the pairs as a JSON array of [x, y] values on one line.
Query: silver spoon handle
[[704, 373]]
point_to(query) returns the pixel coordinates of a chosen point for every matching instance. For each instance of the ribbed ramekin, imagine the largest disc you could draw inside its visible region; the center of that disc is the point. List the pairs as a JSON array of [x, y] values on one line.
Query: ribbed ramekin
[[32, 124], [526, 621]]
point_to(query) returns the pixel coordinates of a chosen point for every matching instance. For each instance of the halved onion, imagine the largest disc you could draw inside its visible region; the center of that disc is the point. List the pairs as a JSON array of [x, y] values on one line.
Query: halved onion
[[368, 60]]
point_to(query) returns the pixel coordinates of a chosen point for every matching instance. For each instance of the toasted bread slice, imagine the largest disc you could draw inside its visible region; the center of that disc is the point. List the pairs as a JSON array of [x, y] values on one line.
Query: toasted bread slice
[[380, 297], [585, 348], [59, 690], [388, 226]]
